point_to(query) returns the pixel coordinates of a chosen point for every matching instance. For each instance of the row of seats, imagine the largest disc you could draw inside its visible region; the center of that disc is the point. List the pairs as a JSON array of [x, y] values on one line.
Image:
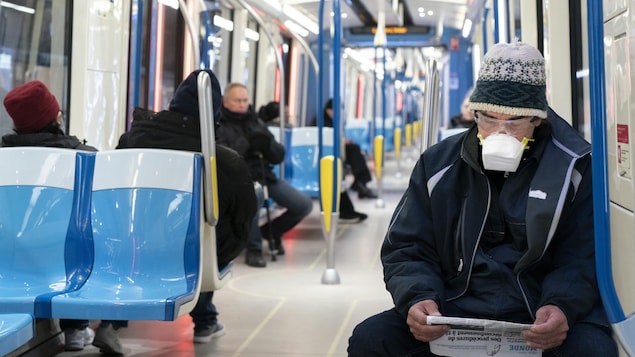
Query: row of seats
[[301, 164], [112, 235], [359, 131]]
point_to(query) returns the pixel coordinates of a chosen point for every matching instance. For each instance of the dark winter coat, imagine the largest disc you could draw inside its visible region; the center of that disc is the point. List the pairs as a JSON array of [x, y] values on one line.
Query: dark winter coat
[[237, 199], [53, 138], [439, 229], [250, 137]]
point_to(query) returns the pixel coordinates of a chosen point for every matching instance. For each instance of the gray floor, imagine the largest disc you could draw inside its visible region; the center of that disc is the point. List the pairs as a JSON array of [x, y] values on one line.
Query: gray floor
[[284, 309]]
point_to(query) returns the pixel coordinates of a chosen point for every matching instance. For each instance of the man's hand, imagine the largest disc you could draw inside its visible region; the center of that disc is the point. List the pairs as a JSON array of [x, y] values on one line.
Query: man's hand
[[417, 321], [549, 330]]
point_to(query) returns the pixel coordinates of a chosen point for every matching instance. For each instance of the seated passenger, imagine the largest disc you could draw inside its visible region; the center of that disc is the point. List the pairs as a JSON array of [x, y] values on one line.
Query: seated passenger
[[353, 157], [496, 223], [38, 121], [178, 128], [465, 119], [241, 130]]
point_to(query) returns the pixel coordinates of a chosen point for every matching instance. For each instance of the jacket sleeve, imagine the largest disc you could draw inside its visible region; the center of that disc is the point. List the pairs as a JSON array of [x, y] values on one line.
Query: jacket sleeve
[[571, 284], [232, 137], [237, 204], [411, 264]]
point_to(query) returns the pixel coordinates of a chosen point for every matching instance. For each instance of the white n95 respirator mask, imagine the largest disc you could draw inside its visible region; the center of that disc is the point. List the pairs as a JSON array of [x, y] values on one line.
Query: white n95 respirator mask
[[502, 152]]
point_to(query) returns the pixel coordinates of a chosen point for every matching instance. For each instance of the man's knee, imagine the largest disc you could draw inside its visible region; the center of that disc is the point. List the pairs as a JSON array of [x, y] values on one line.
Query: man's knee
[[364, 337], [586, 339]]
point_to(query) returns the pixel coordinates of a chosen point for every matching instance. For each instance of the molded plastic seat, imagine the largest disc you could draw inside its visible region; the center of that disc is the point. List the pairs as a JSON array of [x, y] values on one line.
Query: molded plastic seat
[[15, 331], [146, 232], [358, 130], [39, 207], [302, 170]]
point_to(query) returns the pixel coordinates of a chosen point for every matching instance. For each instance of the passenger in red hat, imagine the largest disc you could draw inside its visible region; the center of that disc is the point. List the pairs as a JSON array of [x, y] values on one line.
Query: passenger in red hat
[[37, 119], [32, 107]]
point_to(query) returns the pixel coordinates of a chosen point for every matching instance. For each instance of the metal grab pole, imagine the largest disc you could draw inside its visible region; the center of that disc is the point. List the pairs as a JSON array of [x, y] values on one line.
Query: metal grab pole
[[208, 146], [430, 119], [330, 275]]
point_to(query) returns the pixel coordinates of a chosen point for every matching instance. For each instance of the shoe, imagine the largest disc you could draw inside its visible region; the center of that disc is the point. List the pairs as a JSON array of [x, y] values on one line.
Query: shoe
[[366, 193], [208, 333], [255, 259], [279, 247], [75, 339], [356, 216], [107, 340]]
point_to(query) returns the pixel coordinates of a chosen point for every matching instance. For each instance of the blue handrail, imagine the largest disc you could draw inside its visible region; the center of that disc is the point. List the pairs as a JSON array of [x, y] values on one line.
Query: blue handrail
[[320, 111], [337, 108], [612, 305]]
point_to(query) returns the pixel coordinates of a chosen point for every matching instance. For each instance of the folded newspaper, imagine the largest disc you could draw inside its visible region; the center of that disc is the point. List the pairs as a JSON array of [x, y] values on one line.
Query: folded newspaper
[[469, 337]]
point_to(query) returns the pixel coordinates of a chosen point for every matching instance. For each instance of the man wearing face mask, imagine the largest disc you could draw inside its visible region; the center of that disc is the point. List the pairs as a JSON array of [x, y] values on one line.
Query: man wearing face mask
[[497, 223]]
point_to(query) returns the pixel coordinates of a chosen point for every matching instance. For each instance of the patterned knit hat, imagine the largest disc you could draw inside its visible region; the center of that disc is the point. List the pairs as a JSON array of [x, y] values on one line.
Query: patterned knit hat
[[511, 81]]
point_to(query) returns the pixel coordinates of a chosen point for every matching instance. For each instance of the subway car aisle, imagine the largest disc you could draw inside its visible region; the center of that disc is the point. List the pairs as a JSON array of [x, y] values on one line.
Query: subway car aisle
[[284, 309]]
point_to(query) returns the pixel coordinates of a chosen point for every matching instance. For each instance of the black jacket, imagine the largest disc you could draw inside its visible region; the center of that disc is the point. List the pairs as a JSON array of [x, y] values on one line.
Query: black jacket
[[250, 137], [54, 138], [438, 227], [237, 199]]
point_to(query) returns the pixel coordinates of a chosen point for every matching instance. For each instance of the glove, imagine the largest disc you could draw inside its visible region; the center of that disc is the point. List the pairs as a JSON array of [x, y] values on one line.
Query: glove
[[259, 142]]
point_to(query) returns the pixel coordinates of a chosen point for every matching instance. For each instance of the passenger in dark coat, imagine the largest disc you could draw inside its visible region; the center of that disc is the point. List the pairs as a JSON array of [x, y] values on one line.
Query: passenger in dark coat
[[241, 130], [38, 121], [496, 223], [178, 128]]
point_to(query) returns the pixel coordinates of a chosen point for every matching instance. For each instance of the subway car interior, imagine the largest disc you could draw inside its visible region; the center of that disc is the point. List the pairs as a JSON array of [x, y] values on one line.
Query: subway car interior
[[395, 73]]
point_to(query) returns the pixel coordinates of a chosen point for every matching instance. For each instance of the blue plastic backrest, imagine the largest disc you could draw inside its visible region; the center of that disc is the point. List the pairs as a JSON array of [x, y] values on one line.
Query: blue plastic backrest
[[139, 244], [303, 169], [43, 250], [358, 130]]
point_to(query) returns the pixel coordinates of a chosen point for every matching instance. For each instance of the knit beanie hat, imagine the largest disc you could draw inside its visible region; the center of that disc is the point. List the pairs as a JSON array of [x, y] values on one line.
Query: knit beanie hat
[[185, 99], [511, 81], [31, 106]]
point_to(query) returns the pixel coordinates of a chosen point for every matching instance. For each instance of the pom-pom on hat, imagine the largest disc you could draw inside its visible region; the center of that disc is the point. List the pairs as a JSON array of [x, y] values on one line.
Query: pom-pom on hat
[[511, 81], [185, 99], [31, 106]]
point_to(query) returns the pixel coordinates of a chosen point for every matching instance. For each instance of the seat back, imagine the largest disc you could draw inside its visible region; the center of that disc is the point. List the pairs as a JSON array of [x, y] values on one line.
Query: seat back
[[358, 130], [43, 204], [302, 167], [145, 225]]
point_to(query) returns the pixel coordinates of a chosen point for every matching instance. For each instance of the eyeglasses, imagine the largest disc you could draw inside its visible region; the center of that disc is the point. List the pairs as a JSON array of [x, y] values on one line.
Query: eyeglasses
[[515, 125]]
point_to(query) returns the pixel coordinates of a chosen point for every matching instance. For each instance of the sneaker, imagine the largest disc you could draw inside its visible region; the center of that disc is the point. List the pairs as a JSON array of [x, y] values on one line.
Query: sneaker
[[352, 217], [254, 259], [107, 340], [208, 333], [75, 339]]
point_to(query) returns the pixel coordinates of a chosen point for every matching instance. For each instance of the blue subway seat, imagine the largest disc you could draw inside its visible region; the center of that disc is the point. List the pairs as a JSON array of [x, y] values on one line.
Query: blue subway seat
[[358, 131], [388, 131], [15, 331], [302, 166], [44, 205], [146, 232]]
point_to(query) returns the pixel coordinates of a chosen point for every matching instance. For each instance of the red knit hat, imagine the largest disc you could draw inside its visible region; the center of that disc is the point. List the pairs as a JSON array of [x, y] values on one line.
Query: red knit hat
[[31, 106]]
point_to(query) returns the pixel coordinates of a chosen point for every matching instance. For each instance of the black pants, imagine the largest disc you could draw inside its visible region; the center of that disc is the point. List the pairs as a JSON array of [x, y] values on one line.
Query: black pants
[[356, 160]]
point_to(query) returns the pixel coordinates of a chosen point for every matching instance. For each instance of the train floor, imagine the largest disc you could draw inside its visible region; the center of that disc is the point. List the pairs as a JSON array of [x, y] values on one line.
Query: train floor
[[285, 309]]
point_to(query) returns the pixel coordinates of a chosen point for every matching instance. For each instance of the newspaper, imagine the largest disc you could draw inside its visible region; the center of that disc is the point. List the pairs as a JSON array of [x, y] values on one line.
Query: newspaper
[[469, 337]]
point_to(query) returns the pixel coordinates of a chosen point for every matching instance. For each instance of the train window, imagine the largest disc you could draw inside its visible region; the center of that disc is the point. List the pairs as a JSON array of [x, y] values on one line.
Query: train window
[[34, 44]]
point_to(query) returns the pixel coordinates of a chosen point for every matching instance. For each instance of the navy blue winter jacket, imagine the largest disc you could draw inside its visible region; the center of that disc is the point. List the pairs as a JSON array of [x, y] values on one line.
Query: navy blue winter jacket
[[429, 250]]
